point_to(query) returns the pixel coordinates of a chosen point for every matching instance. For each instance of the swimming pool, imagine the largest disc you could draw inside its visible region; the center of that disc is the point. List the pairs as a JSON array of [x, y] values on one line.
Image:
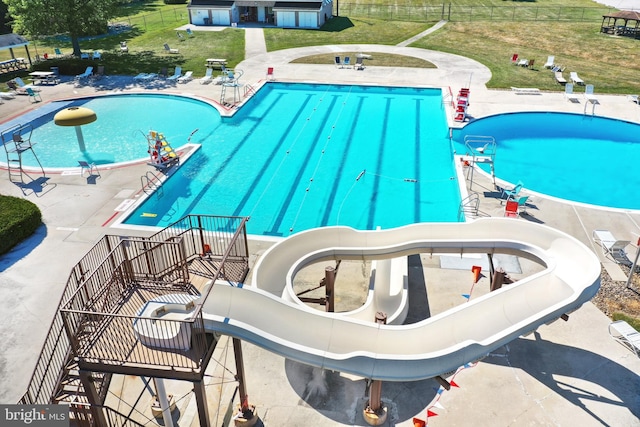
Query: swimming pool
[[118, 134], [581, 158], [299, 156]]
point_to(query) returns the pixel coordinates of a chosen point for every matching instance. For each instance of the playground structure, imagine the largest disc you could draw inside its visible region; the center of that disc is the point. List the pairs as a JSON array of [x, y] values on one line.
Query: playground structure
[[170, 295], [161, 153]]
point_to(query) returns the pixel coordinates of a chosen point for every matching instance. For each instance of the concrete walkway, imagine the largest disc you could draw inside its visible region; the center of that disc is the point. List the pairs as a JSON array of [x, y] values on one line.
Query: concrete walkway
[[569, 373]]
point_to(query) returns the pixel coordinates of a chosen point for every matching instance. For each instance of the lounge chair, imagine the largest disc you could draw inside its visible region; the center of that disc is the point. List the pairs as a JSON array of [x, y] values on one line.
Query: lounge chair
[[522, 204], [84, 55], [189, 32], [573, 75], [626, 335], [180, 36], [549, 63], [188, 76], [523, 62], [14, 88], [514, 58], [168, 49], [359, 65], [99, 73], [338, 61], [124, 47], [177, 73], [612, 246], [58, 52], [208, 76], [511, 193], [33, 95], [270, 73], [145, 76], [87, 73], [634, 98], [24, 86], [96, 55], [589, 95], [511, 209], [346, 62], [569, 95], [560, 78]]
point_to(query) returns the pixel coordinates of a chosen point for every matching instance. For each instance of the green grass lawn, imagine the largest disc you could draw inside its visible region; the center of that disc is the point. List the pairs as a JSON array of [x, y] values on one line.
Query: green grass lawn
[[570, 32]]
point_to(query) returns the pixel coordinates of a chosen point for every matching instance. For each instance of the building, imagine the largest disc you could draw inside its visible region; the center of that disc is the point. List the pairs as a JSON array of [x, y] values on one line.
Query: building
[[284, 14]]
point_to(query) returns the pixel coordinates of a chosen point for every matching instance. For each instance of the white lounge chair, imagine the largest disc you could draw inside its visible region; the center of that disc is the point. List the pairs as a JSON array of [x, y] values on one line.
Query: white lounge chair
[[569, 95], [549, 63], [207, 77], [176, 74], [188, 76], [634, 98], [589, 95], [612, 246], [170, 50], [573, 75], [626, 335]]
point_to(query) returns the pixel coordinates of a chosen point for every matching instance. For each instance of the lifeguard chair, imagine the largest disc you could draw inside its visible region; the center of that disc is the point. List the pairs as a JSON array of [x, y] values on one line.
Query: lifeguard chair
[[162, 155]]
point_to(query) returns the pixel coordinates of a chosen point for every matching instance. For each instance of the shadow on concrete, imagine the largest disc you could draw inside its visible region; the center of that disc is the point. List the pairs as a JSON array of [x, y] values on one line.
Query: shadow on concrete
[[339, 397], [546, 361], [23, 248]]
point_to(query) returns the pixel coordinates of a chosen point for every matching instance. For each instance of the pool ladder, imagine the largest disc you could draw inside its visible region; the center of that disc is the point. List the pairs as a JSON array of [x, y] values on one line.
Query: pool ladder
[[16, 141], [469, 207], [151, 183]]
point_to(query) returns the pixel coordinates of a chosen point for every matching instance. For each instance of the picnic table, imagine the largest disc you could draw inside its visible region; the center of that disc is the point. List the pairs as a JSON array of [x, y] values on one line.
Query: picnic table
[[14, 64], [216, 62], [44, 77]]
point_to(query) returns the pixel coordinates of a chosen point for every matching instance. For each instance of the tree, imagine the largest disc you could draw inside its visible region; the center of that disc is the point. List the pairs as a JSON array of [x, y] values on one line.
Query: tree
[[73, 17]]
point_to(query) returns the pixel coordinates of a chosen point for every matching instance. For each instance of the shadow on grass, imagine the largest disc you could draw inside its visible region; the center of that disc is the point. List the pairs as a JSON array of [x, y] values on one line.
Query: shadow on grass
[[337, 24]]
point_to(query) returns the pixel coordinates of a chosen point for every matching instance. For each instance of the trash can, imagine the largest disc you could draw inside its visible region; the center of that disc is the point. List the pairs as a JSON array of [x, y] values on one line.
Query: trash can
[[56, 71], [206, 21]]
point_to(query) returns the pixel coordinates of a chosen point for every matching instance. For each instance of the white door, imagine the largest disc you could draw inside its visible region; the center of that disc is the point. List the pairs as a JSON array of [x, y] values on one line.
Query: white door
[[197, 16], [308, 19], [286, 19], [220, 17]]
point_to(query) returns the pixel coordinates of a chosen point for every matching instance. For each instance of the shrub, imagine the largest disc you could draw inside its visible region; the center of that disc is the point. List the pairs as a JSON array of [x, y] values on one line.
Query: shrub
[[175, 1], [19, 219]]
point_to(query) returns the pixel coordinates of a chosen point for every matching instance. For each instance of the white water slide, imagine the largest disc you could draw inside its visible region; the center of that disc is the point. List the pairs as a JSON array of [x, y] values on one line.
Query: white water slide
[[269, 315]]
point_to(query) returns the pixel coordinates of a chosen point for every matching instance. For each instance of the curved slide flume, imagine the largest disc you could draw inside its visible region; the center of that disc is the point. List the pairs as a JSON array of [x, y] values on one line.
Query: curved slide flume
[[268, 314]]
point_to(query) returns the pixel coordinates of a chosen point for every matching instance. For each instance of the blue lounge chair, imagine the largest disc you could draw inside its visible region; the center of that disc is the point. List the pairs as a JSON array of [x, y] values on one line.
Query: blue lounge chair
[[87, 73], [512, 193], [176, 74]]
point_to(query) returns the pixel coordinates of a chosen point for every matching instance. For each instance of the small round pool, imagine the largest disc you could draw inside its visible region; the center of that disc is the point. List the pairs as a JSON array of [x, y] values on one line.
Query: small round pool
[[581, 158], [118, 135]]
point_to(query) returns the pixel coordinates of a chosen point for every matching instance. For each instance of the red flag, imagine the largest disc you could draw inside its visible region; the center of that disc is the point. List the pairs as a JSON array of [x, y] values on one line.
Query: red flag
[[431, 414], [453, 384]]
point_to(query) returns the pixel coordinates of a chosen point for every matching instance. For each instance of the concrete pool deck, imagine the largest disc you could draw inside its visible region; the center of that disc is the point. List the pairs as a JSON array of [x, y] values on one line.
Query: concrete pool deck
[[569, 372]]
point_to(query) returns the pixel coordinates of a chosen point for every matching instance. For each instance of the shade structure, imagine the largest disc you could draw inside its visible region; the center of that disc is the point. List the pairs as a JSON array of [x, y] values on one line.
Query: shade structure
[[76, 116]]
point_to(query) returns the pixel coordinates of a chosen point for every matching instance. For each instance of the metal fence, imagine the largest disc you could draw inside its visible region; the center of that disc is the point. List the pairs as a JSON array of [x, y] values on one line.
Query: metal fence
[[177, 15], [450, 12]]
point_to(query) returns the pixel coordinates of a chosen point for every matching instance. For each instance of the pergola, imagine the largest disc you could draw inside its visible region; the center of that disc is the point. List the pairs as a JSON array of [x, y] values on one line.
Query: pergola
[[623, 23], [12, 41]]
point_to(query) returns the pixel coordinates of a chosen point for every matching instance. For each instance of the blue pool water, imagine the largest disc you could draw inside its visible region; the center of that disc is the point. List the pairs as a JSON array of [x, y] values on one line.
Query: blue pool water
[[118, 133], [299, 156], [576, 157]]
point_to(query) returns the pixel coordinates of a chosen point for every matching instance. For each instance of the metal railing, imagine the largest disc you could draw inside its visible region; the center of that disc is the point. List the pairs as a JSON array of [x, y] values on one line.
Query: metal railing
[[97, 319], [82, 416]]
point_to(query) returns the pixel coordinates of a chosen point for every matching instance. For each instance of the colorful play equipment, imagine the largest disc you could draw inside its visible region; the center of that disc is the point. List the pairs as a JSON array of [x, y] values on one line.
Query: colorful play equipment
[[162, 155]]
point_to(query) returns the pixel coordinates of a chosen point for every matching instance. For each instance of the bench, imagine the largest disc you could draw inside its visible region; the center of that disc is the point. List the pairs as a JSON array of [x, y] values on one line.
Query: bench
[[526, 90], [626, 335]]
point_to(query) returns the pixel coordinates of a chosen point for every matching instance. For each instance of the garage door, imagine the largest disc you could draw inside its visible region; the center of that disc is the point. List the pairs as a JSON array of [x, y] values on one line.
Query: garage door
[[220, 17], [286, 19], [308, 19]]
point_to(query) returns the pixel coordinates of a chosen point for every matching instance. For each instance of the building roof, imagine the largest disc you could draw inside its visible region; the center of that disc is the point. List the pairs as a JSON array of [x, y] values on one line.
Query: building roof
[[219, 3], [294, 5], [9, 41], [624, 14]]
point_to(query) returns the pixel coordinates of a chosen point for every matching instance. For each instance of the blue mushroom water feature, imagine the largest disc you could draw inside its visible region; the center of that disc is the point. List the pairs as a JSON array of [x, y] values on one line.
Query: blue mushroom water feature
[[76, 116]]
